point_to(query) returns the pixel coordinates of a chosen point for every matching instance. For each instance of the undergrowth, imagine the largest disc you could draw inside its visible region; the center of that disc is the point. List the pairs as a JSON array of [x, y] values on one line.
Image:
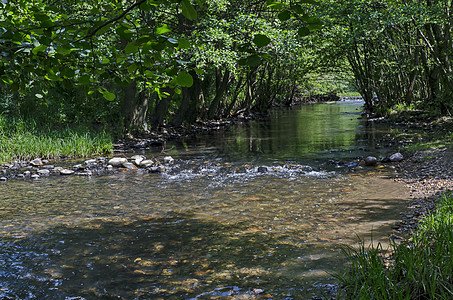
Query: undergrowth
[[20, 140], [420, 267]]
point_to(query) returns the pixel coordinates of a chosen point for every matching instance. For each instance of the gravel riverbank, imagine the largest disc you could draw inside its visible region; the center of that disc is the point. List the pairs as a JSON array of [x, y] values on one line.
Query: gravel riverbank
[[426, 173]]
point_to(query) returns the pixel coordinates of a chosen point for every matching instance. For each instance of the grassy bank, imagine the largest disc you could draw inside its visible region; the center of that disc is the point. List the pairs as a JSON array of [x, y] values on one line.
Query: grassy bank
[[21, 140], [418, 268]]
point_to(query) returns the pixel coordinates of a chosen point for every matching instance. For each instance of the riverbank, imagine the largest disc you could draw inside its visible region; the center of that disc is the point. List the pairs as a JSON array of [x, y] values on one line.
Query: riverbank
[[418, 264]]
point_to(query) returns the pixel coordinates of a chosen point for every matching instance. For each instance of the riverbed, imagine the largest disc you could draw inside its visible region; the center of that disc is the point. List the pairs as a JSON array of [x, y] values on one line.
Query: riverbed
[[255, 211]]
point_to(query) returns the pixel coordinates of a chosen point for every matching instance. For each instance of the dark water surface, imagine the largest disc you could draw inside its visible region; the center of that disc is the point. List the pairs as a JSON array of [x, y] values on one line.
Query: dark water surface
[[256, 211]]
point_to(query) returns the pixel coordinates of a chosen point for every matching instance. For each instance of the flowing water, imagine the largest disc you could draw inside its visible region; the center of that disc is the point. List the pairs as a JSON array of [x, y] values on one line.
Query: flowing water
[[254, 211]]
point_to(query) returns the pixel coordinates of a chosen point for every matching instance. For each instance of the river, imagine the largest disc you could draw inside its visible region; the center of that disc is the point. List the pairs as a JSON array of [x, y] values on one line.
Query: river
[[254, 211]]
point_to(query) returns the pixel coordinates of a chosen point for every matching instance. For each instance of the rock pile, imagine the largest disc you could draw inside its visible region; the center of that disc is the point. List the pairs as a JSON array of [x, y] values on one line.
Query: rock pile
[[38, 168]]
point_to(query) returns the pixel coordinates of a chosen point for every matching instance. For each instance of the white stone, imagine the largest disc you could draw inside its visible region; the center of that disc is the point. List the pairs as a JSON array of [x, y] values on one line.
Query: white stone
[[117, 161]]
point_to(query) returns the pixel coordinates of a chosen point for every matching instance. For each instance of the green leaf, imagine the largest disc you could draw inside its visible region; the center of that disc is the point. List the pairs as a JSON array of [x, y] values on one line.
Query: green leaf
[[131, 48], [303, 31], [297, 9], [132, 68], [84, 80], [261, 40], [40, 48], [188, 10], [183, 44], [251, 61], [284, 15], [309, 2], [274, 4], [104, 29], [64, 50], [162, 30], [107, 95], [184, 79]]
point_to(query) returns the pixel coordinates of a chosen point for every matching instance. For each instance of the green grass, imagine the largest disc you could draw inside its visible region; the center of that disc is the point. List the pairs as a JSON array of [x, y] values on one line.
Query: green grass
[[421, 267], [21, 140]]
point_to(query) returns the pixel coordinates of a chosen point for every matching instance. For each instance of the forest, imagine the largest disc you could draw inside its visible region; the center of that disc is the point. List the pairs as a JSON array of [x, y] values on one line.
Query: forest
[[137, 66]]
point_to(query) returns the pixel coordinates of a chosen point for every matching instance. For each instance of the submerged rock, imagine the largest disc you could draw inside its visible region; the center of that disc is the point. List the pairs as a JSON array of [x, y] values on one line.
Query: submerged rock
[[370, 161], [396, 157], [117, 161]]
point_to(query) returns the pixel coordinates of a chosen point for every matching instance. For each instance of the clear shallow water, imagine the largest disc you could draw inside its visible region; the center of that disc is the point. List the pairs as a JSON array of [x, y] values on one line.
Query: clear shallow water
[[215, 225]]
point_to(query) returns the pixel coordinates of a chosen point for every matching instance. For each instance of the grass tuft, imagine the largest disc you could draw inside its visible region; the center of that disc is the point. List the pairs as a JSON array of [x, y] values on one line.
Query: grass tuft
[[20, 140], [421, 267]]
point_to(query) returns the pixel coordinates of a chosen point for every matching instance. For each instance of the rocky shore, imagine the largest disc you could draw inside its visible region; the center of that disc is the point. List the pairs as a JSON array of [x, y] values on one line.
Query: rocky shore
[[38, 168], [426, 173]]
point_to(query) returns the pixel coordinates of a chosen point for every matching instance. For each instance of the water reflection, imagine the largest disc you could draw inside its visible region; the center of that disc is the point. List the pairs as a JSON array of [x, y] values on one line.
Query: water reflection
[[212, 226]]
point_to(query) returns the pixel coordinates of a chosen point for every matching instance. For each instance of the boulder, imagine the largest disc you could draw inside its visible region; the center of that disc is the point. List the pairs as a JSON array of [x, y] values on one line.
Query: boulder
[[370, 161], [396, 157], [117, 161]]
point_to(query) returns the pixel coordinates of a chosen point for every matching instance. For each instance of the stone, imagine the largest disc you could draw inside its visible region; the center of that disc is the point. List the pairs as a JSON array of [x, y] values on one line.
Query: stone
[[35, 176], [20, 176], [117, 161], [36, 162], [66, 172], [27, 173], [146, 163], [3, 179], [262, 169], [78, 167], [370, 161], [155, 169], [109, 167], [43, 172], [87, 173], [48, 167], [169, 159], [396, 157], [57, 169], [90, 162], [129, 166], [137, 159]]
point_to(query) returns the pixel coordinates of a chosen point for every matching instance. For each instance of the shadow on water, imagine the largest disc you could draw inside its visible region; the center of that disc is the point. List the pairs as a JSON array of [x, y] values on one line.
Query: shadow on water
[[183, 256], [174, 257]]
